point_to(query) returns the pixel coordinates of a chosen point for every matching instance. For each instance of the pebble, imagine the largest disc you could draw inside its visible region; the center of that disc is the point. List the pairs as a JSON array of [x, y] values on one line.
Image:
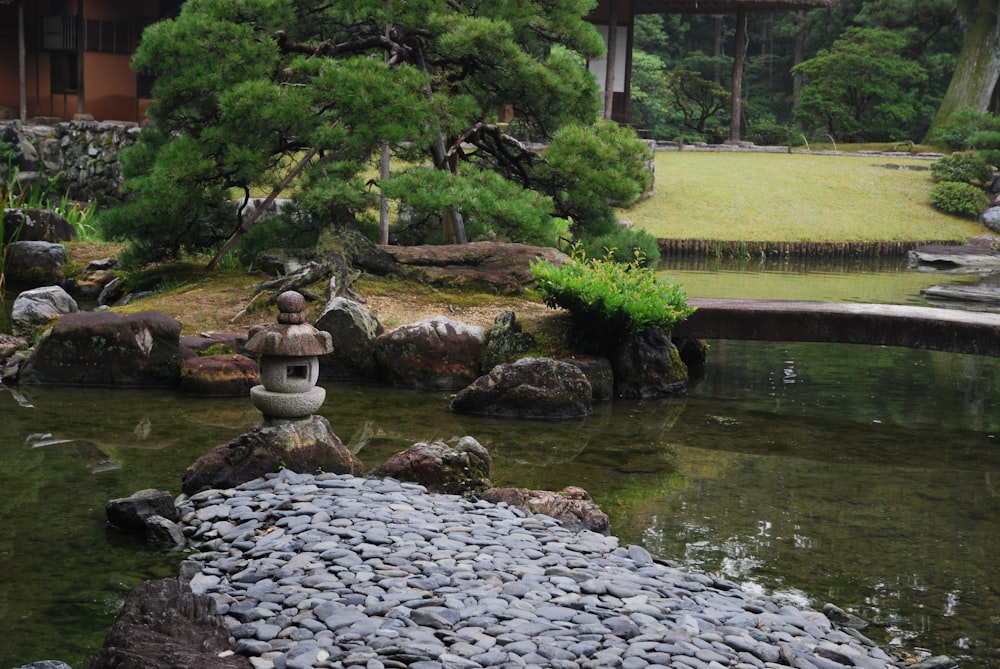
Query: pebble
[[340, 571]]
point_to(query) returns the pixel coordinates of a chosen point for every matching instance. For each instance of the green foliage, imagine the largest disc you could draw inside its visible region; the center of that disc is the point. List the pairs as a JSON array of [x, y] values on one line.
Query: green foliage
[[970, 129], [611, 297], [8, 153], [861, 89], [966, 167], [768, 132], [623, 245], [702, 103], [265, 95], [589, 169], [959, 198], [494, 207]]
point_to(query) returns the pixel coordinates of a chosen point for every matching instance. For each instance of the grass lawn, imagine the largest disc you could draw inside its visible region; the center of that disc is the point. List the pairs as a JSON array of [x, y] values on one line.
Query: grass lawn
[[734, 196]]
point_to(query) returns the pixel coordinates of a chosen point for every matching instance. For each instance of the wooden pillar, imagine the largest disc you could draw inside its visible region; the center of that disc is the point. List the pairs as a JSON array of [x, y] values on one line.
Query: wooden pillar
[[22, 67], [609, 75], [80, 29], [739, 56]]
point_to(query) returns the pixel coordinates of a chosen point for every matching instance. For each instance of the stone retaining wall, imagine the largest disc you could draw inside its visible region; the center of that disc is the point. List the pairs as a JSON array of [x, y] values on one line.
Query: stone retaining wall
[[83, 153]]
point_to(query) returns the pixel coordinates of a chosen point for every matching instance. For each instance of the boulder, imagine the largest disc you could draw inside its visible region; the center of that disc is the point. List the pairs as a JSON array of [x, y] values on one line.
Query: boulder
[[36, 225], [441, 467], [109, 349], [305, 446], [493, 266], [991, 218], [354, 330], [165, 532], [436, 353], [598, 371], [10, 370], [36, 263], [529, 388], [9, 345], [150, 513], [40, 306], [572, 506], [130, 513], [91, 283], [648, 365], [219, 375], [505, 342], [165, 626]]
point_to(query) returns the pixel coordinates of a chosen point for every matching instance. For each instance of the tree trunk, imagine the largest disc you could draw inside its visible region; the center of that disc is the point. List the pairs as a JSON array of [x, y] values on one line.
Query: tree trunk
[[739, 57], [978, 67]]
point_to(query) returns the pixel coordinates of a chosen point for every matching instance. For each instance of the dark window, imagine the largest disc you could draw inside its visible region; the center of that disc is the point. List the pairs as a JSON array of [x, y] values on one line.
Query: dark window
[[64, 72], [144, 83], [109, 36], [59, 32]]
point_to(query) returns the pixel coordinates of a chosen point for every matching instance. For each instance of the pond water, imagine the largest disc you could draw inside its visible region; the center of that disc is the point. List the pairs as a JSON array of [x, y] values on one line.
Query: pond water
[[867, 477]]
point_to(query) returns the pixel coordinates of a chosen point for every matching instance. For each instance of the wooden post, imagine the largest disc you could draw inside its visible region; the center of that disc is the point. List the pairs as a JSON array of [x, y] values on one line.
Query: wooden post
[[80, 30], [22, 68], [609, 74]]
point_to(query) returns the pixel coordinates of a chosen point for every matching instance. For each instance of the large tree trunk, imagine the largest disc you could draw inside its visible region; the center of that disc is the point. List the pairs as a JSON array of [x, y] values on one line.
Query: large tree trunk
[[739, 57], [978, 66]]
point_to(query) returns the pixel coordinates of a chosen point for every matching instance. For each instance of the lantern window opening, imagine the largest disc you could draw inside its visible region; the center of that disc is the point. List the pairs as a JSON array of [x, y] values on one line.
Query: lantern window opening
[[297, 371]]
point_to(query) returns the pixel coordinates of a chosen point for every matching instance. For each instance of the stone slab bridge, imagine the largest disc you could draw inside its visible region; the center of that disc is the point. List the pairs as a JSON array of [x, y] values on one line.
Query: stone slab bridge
[[972, 332]]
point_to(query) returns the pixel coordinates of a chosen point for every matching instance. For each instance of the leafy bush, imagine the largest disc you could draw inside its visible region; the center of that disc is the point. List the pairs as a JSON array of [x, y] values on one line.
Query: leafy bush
[[611, 298], [970, 129], [767, 132], [493, 207], [623, 245], [961, 199], [965, 167], [990, 156], [588, 169]]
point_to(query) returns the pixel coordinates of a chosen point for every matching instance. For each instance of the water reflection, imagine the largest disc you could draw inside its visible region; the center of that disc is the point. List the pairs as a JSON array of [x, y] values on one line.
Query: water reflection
[[867, 477]]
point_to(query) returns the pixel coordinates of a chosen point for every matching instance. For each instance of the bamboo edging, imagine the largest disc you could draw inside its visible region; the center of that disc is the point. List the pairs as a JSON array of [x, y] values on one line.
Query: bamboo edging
[[737, 249]]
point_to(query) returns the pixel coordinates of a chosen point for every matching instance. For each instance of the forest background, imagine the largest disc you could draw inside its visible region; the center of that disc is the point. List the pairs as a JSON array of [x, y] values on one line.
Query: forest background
[[862, 71]]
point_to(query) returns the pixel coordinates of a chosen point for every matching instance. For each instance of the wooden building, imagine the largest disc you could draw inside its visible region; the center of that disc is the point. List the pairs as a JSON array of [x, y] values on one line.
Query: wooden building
[[61, 58]]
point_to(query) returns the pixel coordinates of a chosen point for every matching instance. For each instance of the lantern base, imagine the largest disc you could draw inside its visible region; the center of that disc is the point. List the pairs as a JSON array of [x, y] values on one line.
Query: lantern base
[[287, 405]]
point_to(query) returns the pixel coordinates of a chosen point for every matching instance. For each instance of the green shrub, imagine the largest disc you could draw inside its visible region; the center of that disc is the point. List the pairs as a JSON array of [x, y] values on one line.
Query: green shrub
[[966, 167], [961, 199], [771, 133], [990, 156], [611, 298], [623, 245], [970, 129]]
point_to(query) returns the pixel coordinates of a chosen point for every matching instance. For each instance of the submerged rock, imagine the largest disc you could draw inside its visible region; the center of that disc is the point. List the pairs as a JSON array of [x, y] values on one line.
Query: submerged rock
[[308, 445], [648, 365], [529, 388], [441, 467], [572, 506], [165, 626]]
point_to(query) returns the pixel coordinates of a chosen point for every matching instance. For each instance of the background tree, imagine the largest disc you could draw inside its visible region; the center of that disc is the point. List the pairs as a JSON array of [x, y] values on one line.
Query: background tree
[[862, 89], [252, 97], [974, 82], [932, 38]]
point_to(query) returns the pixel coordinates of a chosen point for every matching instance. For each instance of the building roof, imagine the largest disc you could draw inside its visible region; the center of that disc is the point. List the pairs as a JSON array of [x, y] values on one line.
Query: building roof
[[724, 6]]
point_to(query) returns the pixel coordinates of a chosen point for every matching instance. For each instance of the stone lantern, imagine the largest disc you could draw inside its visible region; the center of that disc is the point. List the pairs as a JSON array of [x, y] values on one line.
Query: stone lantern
[[289, 362]]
